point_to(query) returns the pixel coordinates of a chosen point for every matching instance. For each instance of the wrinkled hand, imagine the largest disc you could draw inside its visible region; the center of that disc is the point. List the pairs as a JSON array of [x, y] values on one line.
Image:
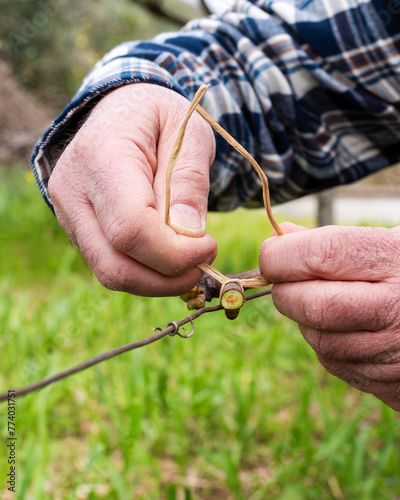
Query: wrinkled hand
[[108, 190], [342, 285]]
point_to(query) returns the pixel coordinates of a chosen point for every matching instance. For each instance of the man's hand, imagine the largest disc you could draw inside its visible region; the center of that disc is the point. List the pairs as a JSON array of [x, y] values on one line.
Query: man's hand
[[342, 285], [108, 190]]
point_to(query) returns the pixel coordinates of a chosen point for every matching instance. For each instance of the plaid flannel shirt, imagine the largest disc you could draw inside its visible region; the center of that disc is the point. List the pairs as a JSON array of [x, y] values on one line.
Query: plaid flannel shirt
[[310, 88]]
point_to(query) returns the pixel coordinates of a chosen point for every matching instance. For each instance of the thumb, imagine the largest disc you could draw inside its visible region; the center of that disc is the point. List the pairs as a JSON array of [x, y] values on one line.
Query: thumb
[[189, 184], [187, 220], [269, 257], [289, 227]]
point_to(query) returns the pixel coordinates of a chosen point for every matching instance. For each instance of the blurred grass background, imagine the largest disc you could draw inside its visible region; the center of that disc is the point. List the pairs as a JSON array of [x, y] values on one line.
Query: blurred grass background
[[242, 410]]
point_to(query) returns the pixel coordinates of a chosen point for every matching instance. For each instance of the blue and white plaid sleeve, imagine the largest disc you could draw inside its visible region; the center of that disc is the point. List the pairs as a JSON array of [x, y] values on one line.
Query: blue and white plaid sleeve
[[310, 87]]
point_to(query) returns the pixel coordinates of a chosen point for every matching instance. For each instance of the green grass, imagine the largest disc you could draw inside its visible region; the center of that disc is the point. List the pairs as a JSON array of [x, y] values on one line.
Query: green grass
[[242, 410]]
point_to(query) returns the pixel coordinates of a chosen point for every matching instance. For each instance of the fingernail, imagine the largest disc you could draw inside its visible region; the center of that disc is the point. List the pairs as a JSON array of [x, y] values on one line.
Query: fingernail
[[186, 220]]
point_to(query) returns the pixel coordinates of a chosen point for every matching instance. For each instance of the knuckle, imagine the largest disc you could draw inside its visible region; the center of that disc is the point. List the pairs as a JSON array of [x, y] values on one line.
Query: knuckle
[[325, 253], [113, 277], [313, 338], [188, 170], [86, 145], [190, 183], [110, 272], [124, 235], [103, 276]]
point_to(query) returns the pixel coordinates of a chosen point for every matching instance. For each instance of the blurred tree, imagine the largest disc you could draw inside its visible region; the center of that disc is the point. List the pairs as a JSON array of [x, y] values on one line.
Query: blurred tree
[[158, 8], [22, 120], [52, 44]]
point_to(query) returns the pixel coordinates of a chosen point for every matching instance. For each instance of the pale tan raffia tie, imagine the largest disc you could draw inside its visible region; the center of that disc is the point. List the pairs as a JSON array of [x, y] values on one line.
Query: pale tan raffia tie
[[176, 149]]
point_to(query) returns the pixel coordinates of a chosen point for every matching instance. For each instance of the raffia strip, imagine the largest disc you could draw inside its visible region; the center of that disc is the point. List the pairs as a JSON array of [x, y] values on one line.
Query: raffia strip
[[176, 149], [240, 149], [257, 282]]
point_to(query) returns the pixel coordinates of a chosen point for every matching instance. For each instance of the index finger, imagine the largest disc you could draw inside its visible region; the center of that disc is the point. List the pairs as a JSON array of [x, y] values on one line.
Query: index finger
[[331, 253], [128, 216]]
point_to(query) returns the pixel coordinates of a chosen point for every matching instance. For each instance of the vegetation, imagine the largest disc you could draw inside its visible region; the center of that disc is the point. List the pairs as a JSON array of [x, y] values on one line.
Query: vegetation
[[52, 44], [242, 410]]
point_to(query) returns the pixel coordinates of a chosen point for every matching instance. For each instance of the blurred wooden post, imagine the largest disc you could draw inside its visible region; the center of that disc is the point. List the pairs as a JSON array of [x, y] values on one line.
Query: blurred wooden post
[[325, 208]]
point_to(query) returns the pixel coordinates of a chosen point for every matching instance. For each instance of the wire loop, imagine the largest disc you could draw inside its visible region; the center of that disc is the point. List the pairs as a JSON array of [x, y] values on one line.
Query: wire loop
[[176, 329]]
